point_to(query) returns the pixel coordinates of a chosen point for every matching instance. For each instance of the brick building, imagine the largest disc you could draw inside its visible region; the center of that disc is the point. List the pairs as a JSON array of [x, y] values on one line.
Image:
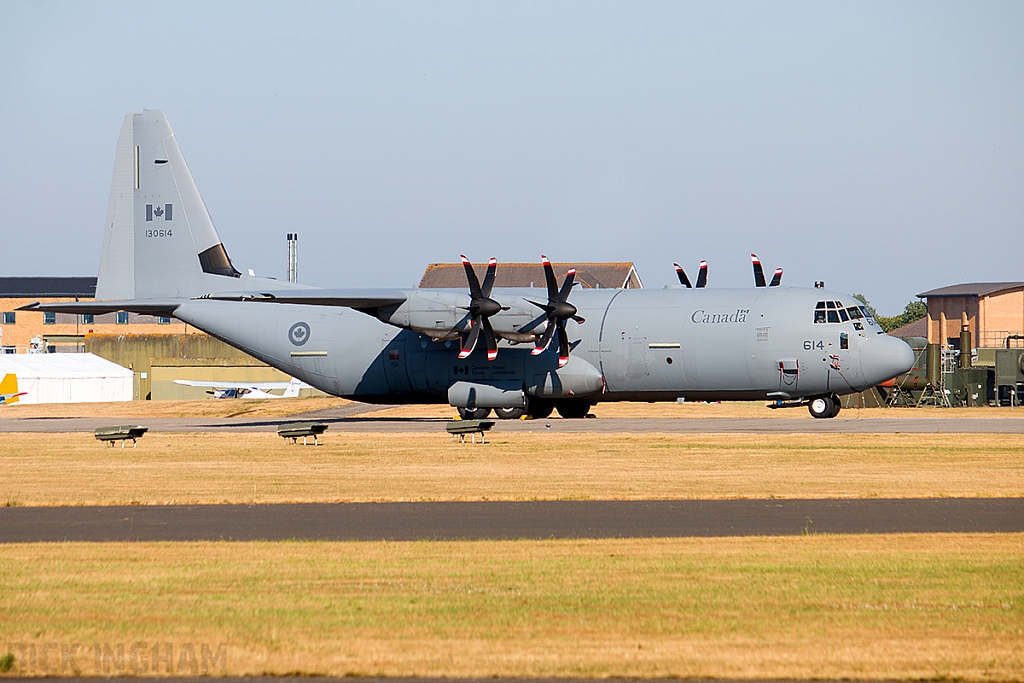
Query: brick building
[[589, 275], [992, 311], [22, 331]]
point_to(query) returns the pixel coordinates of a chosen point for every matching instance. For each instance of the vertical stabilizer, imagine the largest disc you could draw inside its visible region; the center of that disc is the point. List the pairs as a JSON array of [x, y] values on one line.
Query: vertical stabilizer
[[9, 389], [159, 241]]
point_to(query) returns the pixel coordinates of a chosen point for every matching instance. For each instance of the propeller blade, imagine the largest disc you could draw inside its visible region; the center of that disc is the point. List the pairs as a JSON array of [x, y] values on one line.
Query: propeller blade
[[579, 319], [702, 276], [681, 274], [549, 276], [489, 340], [474, 283], [492, 266], [777, 278], [567, 285], [563, 345], [758, 271], [545, 307], [469, 341], [545, 338]]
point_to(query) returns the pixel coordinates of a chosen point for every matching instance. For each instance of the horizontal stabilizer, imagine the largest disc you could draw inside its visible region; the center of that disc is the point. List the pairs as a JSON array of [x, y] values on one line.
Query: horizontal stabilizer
[[148, 306], [349, 298]]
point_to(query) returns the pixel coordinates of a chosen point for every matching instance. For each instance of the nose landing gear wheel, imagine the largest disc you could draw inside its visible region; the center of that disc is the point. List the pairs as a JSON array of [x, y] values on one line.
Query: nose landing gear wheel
[[474, 414], [822, 407]]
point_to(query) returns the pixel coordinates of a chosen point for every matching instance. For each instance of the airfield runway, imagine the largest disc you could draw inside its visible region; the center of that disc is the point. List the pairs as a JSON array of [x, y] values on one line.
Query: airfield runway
[[509, 520], [354, 422]]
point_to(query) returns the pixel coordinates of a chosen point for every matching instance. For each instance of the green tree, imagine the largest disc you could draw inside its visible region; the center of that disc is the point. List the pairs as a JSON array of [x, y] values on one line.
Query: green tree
[[915, 310]]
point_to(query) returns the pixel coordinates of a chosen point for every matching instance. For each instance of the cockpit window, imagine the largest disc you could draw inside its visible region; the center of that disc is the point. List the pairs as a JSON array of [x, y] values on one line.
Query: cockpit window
[[836, 312]]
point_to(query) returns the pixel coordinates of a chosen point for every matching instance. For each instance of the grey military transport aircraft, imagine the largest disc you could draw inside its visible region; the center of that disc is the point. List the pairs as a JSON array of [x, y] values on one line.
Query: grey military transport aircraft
[[161, 256]]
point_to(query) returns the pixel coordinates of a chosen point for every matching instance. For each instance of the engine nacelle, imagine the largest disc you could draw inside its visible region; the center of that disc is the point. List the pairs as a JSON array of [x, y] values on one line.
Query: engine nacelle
[[475, 395], [443, 315]]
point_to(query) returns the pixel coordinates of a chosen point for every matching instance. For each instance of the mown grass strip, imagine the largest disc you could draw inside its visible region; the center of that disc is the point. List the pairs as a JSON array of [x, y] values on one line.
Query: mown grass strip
[[49, 469], [921, 606]]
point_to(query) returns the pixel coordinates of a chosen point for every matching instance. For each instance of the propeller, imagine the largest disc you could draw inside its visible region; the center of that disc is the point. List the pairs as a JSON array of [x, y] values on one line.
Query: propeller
[[759, 273], [702, 275], [681, 274], [481, 307], [559, 310]]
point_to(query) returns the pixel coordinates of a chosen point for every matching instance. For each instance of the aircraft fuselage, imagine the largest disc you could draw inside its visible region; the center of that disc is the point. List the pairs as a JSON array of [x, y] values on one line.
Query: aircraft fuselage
[[639, 345]]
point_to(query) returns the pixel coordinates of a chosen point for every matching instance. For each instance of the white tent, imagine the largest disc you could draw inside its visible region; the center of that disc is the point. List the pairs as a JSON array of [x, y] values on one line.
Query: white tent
[[68, 378]]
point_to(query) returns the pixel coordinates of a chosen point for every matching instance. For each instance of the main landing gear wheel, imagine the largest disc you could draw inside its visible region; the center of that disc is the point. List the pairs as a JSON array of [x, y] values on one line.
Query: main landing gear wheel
[[509, 413], [474, 414], [836, 405], [823, 407], [573, 410], [538, 408]]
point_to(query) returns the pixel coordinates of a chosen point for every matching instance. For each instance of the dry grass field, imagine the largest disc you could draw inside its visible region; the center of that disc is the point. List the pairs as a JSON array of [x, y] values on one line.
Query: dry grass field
[[49, 469], [923, 607], [917, 607]]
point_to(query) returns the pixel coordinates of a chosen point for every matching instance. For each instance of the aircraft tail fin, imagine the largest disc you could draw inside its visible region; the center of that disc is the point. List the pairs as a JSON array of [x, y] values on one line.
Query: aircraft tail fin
[[159, 240], [293, 388], [9, 389]]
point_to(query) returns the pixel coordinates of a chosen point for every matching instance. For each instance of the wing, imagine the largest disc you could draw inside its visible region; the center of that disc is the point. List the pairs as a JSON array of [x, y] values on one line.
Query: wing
[[349, 298], [228, 385]]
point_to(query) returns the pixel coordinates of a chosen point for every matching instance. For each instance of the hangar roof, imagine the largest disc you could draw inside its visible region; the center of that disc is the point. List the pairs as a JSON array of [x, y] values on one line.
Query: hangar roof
[[25, 287], [589, 275], [972, 289]]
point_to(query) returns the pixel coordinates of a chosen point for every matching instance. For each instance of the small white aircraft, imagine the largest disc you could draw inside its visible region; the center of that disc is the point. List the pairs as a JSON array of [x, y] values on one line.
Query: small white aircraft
[[249, 390]]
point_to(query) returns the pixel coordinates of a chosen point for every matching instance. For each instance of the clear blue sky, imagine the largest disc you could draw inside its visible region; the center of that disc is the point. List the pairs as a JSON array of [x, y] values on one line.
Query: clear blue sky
[[876, 146]]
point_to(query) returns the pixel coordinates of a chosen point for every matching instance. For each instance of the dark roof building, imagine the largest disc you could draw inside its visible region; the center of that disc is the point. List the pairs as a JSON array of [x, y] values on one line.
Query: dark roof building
[[589, 275], [972, 289], [47, 287], [918, 328]]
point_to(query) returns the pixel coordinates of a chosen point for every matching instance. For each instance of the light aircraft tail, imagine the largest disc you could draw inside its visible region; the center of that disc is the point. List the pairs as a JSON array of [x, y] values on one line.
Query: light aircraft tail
[[159, 241], [9, 389], [293, 388]]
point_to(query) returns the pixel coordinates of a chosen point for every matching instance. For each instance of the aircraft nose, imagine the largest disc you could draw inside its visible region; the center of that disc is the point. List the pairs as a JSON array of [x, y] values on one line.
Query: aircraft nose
[[884, 357]]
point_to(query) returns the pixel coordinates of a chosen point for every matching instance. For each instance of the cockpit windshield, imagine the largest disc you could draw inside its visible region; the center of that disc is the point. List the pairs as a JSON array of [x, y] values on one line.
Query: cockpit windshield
[[835, 312]]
